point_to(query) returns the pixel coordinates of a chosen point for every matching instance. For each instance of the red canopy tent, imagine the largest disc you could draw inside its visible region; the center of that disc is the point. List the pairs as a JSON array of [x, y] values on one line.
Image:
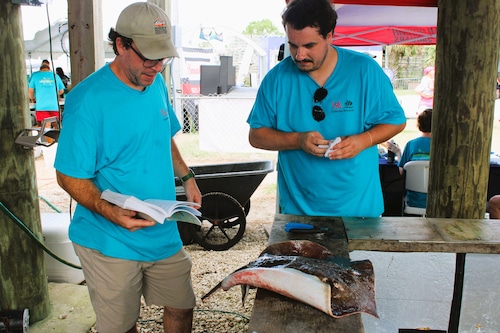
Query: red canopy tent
[[362, 25], [385, 22]]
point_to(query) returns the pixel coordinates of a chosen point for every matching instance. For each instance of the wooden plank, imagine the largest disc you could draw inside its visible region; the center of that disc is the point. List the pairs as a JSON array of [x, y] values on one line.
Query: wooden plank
[[419, 234], [469, 235], [273, 313], [393, 234]]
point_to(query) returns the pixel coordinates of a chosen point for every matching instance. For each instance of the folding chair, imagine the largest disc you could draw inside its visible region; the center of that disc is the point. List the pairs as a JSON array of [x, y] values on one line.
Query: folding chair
[[416, 180], [31, 137]]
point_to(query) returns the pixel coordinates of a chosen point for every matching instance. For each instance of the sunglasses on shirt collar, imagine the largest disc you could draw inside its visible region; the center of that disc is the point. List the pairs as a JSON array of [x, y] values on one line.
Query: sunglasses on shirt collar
[[317, 111]]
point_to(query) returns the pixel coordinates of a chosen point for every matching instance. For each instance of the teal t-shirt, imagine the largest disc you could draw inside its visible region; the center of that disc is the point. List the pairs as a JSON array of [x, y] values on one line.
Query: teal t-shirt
[[121, 139], [360, 96], [45, 90]]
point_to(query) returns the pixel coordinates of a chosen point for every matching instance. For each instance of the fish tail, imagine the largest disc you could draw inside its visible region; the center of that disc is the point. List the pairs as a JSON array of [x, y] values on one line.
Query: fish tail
[[213, 290]]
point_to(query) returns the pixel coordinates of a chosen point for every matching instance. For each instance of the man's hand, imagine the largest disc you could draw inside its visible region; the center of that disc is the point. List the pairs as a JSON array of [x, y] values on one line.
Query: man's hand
[[127, 219], [349, 147], [313, 143]]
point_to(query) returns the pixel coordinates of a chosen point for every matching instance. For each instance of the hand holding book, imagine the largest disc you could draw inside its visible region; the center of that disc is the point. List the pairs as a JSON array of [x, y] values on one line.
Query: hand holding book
[[156, 209]]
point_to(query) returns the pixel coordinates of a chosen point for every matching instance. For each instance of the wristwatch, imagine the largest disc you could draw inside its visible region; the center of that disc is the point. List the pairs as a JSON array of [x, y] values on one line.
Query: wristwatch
[[188, 176]]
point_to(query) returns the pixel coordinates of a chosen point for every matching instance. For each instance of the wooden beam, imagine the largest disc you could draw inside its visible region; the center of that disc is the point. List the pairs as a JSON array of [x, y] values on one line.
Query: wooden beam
[[82, 40], [464, 100], [23, 281]]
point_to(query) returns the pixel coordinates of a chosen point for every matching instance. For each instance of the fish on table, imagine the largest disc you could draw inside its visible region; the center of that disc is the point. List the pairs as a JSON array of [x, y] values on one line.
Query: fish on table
[[310, 273]]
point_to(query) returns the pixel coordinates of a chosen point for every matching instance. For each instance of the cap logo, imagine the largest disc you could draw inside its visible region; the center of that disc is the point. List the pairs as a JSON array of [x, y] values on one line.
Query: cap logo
[[160, 27]]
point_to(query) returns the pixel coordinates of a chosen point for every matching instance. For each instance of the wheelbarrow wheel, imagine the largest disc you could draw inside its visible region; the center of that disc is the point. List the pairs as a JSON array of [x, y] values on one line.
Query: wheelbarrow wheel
[[246, 207], [223, 222]]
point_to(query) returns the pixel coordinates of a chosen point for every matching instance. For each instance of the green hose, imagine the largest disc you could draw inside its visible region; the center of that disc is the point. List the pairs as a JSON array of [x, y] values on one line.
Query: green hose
[[33, 236], [50, 205]]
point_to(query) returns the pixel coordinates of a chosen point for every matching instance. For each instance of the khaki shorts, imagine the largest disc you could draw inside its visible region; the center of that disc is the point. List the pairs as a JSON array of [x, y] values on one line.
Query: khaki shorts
[[116, 285]]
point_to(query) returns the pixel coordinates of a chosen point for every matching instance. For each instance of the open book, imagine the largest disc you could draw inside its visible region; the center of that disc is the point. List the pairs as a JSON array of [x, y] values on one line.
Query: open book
[[156, 209]]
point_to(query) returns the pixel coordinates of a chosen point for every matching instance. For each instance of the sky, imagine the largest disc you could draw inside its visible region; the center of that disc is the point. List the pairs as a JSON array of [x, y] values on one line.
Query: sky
[[235, 14]]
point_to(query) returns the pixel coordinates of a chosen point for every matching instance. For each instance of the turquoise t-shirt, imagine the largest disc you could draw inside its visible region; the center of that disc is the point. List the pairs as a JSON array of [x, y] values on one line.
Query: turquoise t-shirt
[[360, 96], [416, 150], [45, 90], [121, 139]]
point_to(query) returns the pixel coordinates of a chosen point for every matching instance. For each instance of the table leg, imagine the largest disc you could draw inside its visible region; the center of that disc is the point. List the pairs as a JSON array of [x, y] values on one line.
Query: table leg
[[458, 287]]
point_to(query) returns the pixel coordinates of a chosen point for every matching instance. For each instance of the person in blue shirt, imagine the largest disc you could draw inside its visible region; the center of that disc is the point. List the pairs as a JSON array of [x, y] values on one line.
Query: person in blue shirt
[[416, 150], [44, 89], [317, 94], [117, 134]]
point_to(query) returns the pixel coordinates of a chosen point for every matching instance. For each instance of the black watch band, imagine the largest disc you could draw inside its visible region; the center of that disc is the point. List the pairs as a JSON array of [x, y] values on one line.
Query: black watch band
[[188, 176]]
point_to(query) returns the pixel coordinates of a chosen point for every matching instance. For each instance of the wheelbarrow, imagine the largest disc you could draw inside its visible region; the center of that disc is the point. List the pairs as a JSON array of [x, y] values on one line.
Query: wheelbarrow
[[226, 190]]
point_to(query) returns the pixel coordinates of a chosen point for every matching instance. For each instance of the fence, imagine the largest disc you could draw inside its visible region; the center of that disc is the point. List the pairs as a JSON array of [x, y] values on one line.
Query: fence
[[405, 83], [220, 120], [188, 113]]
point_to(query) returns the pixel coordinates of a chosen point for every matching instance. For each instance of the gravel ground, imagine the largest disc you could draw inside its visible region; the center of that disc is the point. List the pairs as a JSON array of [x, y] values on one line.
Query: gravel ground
[[223, 311]]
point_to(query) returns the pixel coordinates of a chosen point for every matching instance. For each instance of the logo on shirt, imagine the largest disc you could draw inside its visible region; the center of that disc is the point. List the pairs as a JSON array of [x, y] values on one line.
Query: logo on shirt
[[164, 114], [338, 106]]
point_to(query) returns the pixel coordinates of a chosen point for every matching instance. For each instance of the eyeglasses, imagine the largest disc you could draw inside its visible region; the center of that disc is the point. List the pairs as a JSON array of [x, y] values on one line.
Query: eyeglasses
[[317, 112], [149, 63]]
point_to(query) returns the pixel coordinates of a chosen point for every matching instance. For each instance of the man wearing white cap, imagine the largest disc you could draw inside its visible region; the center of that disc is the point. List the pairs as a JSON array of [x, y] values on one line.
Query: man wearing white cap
[[117, 134]]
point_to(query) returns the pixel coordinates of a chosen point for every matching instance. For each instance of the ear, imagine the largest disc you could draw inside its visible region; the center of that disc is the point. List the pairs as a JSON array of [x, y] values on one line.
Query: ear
[[121, 45], [329, 36]]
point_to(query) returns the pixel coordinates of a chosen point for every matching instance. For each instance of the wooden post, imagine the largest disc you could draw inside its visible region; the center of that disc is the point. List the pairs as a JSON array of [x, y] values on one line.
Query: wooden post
[[23, 280], [81, 39], [466, 66], [467, 47]]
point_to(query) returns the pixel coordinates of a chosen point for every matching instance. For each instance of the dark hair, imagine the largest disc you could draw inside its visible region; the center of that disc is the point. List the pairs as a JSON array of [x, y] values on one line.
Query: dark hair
[[424, 121], [59, 71], [318, 14], [113, 35]]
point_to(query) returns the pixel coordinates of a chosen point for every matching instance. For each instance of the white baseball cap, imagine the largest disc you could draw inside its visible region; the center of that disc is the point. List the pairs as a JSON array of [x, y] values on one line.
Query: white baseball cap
[[150, 28]]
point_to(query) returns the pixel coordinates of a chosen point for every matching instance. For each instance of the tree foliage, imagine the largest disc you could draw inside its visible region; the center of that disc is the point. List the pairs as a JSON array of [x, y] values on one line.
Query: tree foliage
[[410, 60], [262, 28]]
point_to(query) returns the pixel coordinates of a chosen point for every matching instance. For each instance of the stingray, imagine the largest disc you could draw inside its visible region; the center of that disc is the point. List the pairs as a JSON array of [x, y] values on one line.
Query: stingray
[[308, 272]]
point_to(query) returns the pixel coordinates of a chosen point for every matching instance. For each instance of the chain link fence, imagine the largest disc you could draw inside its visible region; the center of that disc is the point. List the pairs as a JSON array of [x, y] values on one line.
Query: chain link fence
[[189, 109], [405, 83], [220, 120]]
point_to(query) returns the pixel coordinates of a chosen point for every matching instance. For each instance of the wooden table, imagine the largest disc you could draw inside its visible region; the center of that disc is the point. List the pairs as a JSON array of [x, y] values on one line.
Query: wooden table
[[273, 313]]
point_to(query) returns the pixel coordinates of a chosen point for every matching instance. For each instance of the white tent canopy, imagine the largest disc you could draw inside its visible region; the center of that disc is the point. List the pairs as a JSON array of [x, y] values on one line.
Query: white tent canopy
[[53, 39]]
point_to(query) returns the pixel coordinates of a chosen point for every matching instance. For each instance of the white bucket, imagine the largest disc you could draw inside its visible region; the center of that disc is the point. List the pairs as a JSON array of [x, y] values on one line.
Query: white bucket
[[55, 233], [49, 155]]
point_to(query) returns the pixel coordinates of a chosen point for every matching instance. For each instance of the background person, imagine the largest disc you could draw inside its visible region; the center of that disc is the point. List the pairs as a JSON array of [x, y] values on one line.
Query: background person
[[417, 149], [426, 90], [44, 89], [494, 207], [319, 93], [124, 257], [65, 80]]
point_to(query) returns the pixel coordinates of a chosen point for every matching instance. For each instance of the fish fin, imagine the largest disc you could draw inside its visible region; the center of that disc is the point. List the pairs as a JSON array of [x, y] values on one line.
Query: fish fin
[[244, 293], [213, 290]]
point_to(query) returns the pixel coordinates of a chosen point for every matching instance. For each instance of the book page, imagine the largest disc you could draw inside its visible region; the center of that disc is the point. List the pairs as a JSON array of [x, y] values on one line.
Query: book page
[[184, 216], [155, 209], [171, 206], [145, 210]]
